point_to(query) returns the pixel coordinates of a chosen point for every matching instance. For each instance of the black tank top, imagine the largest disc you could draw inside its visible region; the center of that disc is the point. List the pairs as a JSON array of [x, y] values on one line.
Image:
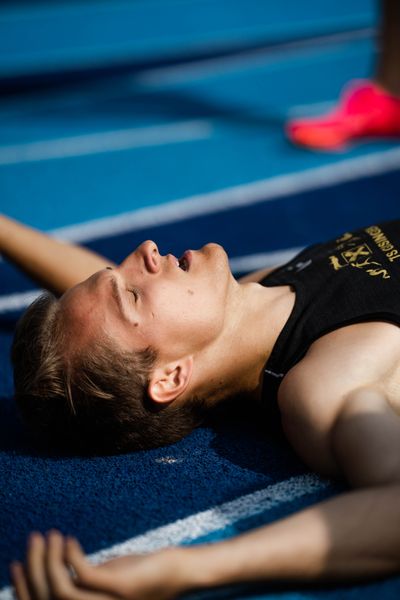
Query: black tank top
[[351, 279]]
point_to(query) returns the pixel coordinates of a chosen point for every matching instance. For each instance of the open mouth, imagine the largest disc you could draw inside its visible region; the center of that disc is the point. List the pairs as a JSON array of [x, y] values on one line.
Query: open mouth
[[184, 261]]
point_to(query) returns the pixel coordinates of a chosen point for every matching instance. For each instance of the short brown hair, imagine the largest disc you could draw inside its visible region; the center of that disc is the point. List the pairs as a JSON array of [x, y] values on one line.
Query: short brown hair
[[95, 401]]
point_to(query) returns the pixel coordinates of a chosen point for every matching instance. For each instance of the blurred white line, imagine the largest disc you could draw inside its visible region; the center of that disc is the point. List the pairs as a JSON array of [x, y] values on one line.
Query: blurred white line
[[18, 301], [248, 58], [264, 260], [269, 189], [108, 141]]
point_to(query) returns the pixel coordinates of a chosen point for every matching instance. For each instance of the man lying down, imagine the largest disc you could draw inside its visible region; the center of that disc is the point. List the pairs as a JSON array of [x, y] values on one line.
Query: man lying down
[[135, 355]]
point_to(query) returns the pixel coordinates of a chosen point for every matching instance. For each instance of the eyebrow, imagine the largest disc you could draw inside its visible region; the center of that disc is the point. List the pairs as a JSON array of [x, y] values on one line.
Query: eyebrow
[[117, 296]]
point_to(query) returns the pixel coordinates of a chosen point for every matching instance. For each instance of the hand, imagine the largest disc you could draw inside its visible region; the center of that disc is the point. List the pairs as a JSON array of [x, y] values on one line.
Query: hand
[[47, 576]]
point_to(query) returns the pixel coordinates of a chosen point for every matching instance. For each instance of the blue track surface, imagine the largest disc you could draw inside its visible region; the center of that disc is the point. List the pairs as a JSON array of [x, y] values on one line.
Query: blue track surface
[[48, 38], [188, 145]]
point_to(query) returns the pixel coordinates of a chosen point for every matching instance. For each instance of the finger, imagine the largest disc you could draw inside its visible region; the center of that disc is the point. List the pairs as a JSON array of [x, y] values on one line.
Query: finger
[[61, 583], [87, 574], [57, 571], [19, 581], [35, 567]]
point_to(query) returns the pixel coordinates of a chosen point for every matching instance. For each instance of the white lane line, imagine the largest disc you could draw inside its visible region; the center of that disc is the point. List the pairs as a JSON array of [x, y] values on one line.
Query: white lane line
[[7, 594], [18, 301], [247, 194], [240, 264], [216, 518], [209, 521], [246, 59], [263, 260], [108, 141]]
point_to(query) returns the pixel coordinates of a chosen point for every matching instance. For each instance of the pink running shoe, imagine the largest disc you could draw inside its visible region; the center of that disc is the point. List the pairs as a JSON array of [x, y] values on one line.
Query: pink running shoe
[[364, 110]]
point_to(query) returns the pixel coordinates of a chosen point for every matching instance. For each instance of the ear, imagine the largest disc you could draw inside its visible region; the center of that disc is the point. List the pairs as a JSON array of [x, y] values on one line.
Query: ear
[[171, 380]]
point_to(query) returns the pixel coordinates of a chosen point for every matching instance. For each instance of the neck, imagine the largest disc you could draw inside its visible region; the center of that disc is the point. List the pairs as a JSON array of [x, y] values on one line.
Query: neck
[[255, 317]]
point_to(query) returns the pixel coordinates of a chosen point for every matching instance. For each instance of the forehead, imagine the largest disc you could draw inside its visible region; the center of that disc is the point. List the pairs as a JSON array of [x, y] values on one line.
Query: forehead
[[90, 311], [81, 311]]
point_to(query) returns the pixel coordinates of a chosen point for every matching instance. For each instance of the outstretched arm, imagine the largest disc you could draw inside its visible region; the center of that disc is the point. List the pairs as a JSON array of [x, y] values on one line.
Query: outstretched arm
[[353, 536], [54, 264]]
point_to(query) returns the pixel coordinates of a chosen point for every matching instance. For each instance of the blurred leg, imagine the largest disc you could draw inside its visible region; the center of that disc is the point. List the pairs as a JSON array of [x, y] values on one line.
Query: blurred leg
[[388, 67], [366, 108]]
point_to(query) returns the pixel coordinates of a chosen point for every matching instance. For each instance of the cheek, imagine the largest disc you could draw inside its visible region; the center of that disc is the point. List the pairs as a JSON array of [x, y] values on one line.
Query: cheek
[[202, 315], [191, 312]]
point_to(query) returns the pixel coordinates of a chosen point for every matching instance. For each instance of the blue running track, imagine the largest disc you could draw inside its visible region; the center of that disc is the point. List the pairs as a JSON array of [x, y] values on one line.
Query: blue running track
[[163, 119]]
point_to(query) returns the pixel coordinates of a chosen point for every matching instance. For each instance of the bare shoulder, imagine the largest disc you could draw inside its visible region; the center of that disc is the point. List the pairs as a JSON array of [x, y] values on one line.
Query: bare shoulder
[[314, 392]]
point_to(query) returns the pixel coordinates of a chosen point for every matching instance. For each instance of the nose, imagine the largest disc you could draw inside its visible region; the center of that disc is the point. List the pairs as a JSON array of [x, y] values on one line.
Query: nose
[[151, 256]]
